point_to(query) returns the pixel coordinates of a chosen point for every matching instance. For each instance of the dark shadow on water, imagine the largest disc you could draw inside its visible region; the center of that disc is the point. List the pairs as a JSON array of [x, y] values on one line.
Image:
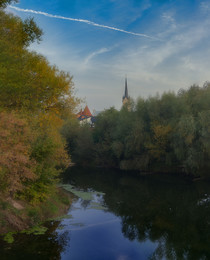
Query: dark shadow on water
[[33, 247]]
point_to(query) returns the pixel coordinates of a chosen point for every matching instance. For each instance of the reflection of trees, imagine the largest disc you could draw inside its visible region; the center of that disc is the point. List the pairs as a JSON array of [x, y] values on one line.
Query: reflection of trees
[[37, 247], [162, 209], [166, 213]]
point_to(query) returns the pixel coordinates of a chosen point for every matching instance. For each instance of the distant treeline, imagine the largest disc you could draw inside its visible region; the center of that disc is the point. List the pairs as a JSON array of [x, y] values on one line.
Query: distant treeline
[[35, 99], [169, 133]]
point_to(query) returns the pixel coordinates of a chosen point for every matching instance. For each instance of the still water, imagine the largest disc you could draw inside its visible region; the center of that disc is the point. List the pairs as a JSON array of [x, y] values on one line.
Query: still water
[[123, 216]]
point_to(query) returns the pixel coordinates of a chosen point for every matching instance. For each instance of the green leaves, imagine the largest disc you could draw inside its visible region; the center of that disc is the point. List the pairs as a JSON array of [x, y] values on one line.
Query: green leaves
[[35, 97], [27, 80], [31, 32], [4, 3], [161, 133]]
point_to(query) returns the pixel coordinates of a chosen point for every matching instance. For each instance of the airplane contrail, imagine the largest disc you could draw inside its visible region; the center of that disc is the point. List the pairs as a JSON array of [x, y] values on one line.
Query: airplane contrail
[[81, 21]]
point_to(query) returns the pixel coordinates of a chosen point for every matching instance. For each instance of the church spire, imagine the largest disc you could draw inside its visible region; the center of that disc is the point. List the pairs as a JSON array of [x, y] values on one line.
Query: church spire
[[126, 97], [126, 88]]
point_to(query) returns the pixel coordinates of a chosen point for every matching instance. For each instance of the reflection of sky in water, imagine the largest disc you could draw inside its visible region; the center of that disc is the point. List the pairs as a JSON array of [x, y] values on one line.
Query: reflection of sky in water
[[153, 217], [96, 234]]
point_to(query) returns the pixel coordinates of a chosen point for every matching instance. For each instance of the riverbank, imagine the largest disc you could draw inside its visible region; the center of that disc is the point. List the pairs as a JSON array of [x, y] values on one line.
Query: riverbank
[[17, 215]]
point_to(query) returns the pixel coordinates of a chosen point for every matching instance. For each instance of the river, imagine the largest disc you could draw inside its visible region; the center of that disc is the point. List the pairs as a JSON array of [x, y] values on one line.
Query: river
[[123, 216]]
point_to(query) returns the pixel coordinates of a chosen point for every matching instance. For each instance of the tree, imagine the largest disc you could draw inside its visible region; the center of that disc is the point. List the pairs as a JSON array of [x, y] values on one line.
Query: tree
[[4, 3], [35, 99], [16, 164], [172, 130]]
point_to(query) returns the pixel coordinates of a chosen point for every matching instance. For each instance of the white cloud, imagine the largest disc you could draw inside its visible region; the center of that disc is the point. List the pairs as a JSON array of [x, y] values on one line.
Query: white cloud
[[94, 54], [169, 19], [81, 21], [178, 61], [172, 64]]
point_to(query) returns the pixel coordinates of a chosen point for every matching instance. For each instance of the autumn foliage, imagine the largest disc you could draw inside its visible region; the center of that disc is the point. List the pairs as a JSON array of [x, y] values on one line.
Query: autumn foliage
[[35, 99], [16, 166]]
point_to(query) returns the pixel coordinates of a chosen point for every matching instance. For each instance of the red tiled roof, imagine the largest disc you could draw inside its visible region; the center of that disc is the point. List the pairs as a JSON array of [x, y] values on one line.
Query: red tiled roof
[[85, 112]]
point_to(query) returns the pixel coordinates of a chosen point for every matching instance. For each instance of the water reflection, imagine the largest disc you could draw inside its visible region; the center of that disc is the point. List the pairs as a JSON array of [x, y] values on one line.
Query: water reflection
[[128, 218], [164, 209], [48, 246]]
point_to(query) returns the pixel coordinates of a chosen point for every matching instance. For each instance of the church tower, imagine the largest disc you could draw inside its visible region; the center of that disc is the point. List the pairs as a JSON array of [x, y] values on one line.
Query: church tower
[[125, 98]]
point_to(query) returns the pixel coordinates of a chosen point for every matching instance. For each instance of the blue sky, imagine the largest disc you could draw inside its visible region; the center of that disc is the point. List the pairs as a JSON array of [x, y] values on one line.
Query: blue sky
[[172, 52]]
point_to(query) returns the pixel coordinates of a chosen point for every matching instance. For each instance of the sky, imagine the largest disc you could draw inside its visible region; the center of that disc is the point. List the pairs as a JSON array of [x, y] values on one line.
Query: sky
[[160, 45]]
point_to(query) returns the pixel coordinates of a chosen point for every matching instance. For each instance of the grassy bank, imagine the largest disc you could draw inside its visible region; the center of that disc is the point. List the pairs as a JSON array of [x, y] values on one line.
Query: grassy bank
[[16, 215]]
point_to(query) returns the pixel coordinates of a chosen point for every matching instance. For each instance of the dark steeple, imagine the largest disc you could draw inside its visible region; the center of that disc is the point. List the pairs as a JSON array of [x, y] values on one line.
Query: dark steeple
[[126, 99], [126, 90]]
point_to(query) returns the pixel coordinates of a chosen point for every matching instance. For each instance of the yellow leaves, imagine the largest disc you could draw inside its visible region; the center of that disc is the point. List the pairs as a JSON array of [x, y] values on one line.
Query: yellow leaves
[[160, 140], [50, 120], [30, 86], [29, 81], [15, 151], [161, 133]]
